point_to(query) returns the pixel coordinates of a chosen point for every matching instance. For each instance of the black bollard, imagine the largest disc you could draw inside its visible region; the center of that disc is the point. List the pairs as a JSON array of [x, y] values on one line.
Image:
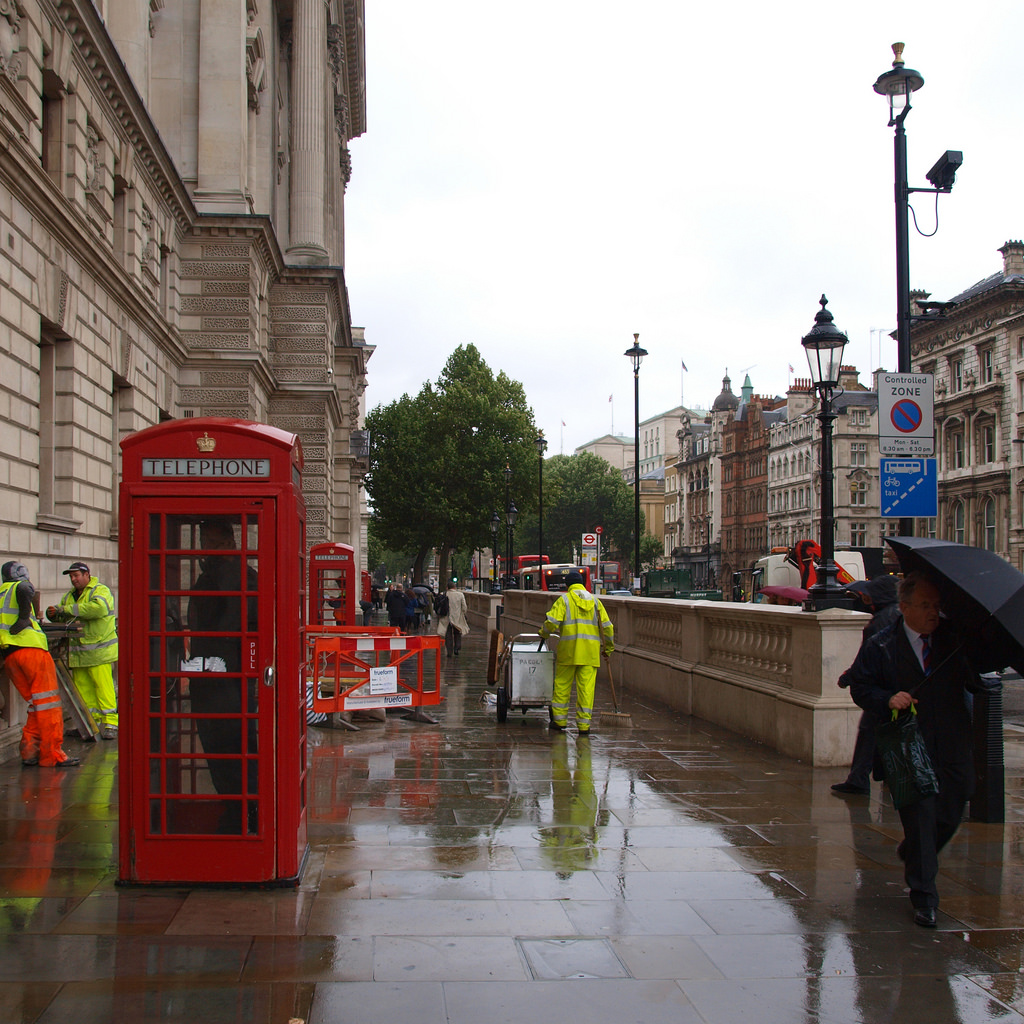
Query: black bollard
[[988, 803]]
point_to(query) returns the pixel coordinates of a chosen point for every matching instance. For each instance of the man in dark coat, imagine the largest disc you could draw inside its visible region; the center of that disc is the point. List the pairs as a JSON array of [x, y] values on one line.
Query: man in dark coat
[[878, 596], [919, 660]]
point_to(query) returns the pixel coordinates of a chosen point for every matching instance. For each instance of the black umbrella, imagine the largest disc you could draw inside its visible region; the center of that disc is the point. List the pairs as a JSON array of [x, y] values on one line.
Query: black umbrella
[[981, 593]]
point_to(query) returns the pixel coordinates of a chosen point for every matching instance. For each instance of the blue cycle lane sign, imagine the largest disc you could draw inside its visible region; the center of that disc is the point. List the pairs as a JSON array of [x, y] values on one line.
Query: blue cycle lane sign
[[906, 414], [910, 488]]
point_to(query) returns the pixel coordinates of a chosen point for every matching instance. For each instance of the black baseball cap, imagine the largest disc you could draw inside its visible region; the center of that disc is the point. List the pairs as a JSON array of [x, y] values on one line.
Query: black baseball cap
[[76, 567]]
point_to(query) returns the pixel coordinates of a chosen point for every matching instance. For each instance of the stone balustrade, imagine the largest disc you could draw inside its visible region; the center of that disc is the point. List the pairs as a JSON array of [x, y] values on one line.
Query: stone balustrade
[[763, 671]]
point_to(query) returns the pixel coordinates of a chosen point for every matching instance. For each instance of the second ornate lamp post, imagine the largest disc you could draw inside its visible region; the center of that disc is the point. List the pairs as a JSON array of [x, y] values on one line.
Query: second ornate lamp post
[[824, 345], [511, 514], [495, 525], [541, 446], [636, 356]]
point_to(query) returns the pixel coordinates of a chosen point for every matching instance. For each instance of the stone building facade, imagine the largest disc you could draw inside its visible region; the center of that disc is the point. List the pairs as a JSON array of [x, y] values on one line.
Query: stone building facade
[[974, 346], [172, 183], [794, 467], [744, 481]]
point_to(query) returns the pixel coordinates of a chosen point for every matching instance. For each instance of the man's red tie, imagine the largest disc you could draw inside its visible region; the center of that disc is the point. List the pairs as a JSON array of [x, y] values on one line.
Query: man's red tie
[[926, 652]]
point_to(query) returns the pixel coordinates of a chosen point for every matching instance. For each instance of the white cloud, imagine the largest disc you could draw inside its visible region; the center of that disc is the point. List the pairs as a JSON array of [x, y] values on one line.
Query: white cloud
[[544, 179]]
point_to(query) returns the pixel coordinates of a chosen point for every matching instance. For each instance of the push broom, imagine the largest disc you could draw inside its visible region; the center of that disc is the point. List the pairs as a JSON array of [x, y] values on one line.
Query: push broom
[[617, 719]]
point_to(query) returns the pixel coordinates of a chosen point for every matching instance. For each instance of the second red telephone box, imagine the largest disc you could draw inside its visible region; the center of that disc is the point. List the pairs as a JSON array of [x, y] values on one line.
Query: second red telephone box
[[333, 582]]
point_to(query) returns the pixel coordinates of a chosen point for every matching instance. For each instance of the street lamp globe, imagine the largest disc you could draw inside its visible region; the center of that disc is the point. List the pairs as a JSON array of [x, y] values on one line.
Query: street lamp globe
[[824, 344], [636, 353], [512, 514], [898, 85]]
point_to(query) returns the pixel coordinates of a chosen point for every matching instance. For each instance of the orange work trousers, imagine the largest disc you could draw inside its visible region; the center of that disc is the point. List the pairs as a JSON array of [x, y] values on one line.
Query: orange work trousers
[[35, 676]]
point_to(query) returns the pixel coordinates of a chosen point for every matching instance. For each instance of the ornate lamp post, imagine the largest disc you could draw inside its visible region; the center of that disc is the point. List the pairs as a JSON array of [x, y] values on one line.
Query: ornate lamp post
[[506, 576], [824, 345], [495, 525], [541, 445], [511, 514], [636, 356]]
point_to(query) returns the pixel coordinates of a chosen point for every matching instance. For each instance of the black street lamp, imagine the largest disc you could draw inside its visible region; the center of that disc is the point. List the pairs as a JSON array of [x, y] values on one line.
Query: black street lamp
[[511, 514], [495, 525], [824, 345], [636, 356], [541, 445], [506, 576], [898, 85]]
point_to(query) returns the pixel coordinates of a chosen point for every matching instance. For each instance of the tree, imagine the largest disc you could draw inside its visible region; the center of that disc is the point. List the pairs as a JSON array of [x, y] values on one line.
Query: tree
[[582, 492], [650, 550], [437, 461]]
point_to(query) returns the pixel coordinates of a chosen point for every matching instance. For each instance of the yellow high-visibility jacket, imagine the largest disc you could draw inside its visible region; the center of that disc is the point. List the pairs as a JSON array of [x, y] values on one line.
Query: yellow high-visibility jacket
[[32, 636], [582, 625], [94, 610]]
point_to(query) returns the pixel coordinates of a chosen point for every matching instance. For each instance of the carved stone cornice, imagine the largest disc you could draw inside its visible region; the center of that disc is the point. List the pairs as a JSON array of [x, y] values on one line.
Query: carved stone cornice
[[98, 59]]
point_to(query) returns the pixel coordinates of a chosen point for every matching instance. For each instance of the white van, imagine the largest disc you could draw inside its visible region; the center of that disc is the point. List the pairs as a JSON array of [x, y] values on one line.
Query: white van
[[775, 571]]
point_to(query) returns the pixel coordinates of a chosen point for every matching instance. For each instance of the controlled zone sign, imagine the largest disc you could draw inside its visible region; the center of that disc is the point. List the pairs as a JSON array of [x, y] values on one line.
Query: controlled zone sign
[[906, 414], [910, 488]]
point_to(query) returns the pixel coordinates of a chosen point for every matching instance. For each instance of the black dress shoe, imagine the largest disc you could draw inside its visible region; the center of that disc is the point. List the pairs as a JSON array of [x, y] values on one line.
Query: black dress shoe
[[69, 762], [925, 917], [846, 787], [555, 727], [32, 762]]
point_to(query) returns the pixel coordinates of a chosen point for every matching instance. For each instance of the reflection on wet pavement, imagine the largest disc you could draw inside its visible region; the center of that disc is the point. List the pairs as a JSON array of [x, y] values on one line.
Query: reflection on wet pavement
[[471, 870]]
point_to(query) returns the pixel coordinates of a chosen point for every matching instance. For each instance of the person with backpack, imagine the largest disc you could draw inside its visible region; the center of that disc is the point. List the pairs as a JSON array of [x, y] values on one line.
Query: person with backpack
[[450, 609]]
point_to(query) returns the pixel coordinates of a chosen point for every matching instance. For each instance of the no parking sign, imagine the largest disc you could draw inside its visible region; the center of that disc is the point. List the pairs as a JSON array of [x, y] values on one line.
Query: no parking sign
[[906, 414]]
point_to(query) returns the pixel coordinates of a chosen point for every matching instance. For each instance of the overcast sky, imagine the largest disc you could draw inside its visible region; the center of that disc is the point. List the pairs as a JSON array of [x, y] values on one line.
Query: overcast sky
[[546, 178]]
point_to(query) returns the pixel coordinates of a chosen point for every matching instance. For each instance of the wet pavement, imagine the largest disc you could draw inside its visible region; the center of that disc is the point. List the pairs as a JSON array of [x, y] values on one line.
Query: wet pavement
[[473, 871]]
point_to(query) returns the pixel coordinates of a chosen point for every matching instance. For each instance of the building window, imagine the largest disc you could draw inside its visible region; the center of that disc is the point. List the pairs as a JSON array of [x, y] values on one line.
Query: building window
[[988, 525], [859, 417], [53, 128], [957, 458], [859, 453], [858, 493], [859, 534], [987, 443], [985, 369], [958, 523], [956, 374]]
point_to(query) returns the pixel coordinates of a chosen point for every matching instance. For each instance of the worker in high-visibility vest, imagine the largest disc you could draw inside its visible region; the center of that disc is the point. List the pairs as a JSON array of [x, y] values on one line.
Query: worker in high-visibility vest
[[30, 666], [584, 633], [91, 654]]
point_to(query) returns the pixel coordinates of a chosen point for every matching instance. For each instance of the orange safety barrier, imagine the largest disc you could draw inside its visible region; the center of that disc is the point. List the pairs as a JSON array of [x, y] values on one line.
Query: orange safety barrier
[[353, 670]]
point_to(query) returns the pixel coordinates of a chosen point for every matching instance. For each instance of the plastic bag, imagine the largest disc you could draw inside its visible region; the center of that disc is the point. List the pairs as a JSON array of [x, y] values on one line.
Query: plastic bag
[[908, 768]]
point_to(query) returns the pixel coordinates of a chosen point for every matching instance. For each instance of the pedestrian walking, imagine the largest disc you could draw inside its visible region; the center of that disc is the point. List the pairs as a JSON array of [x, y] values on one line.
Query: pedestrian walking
[[585, 633], [921, 661], [879, 597], [92, 651], [451, 620]]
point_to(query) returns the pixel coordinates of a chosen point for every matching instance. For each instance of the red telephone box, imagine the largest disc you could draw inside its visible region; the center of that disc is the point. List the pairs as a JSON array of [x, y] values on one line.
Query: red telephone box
[[332, 585], [213, 727]]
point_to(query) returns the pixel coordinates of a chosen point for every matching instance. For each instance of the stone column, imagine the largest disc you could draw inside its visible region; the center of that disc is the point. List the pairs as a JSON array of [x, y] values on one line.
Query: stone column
[[223, 109], [128, 23], [309, 89]]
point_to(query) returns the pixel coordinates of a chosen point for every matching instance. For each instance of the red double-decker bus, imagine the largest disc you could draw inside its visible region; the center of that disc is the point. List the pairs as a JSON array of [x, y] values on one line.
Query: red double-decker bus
[[551, 577], [611, 574]]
